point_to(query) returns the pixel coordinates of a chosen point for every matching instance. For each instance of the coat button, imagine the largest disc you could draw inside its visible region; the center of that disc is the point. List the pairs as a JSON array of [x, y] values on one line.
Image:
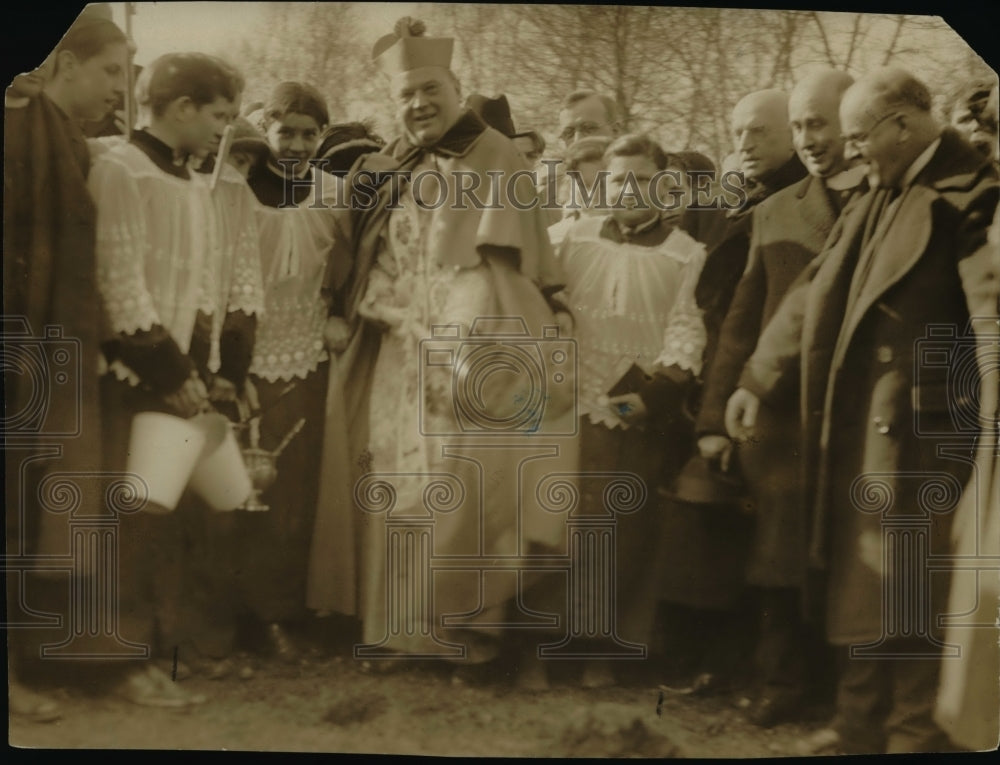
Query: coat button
[[884, 354], [881, 425]]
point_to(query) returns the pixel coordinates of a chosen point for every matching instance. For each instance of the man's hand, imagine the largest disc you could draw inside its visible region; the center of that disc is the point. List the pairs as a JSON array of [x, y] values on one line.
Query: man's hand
[[190, 399], [741, 414], [629, 407], [250, 396], [565, 322], [716, 448], [336, 334], [222, 390]]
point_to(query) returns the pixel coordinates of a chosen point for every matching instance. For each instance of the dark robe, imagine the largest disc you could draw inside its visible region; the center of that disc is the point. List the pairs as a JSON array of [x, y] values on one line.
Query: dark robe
[[273, 546], [728, 239], [51, 308]]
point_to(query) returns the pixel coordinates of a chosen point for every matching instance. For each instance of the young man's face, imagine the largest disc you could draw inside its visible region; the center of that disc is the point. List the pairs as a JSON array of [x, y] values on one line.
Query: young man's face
[[630, 200], [98, 82], [977, 128], [204, 125], [583, 184], [528, 148], [427, 103], [243, 161], [294, 136]]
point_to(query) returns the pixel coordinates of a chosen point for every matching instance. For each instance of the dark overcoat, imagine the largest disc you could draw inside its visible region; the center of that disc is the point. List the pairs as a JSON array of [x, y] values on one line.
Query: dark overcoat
[[788, 231], [704, 550], [882, 392]]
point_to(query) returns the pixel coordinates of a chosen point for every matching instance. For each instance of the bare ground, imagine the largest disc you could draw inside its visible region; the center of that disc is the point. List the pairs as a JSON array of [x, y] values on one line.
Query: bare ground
[[328, 705]]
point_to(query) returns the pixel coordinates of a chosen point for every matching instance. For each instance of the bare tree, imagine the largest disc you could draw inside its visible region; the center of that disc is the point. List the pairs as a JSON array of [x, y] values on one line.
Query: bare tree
[[676, 73]]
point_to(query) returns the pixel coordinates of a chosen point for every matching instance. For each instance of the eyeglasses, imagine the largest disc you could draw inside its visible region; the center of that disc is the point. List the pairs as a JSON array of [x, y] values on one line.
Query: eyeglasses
[[581, 130], [862, 137]]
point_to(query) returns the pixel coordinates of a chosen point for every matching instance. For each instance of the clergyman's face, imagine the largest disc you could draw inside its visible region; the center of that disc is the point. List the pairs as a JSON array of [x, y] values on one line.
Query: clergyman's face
[[761, 136], [99, 81], [815, 124], [428, 103]]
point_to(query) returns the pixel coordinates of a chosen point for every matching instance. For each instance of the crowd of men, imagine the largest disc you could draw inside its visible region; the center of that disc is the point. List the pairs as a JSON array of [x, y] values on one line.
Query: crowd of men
[[751, 354]]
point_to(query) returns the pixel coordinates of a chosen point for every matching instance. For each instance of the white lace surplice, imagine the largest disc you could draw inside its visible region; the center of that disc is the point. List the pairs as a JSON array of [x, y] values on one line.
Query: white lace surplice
[[631, 304], [408, 291], [169, 247], [295, 245]]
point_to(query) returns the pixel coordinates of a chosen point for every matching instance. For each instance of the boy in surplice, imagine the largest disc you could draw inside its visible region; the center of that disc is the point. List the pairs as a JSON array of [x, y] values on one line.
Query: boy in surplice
[[179, 277], [630, 287], [291, 367]]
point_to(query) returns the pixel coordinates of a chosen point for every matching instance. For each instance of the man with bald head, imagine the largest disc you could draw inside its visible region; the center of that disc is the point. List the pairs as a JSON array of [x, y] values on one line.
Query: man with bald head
[[763, 142], [788, 230], [761, 134], [876, 413]]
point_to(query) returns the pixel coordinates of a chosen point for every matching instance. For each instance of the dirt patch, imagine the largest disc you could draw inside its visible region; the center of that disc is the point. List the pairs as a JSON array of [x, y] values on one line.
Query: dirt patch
[[357, 709], [331, 706]]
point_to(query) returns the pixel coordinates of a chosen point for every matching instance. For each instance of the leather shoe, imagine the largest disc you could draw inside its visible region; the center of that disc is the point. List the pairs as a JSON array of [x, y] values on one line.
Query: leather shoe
[[150, 687], [597, 674], [216, 669], [32, 706], [774, 707], [821, 742], [704, 684], [281, 644], [709, 684]]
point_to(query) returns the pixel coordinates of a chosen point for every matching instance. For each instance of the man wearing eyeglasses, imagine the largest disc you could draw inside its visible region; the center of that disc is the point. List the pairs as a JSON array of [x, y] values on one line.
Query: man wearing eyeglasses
[[875, 410], [585, 113]]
